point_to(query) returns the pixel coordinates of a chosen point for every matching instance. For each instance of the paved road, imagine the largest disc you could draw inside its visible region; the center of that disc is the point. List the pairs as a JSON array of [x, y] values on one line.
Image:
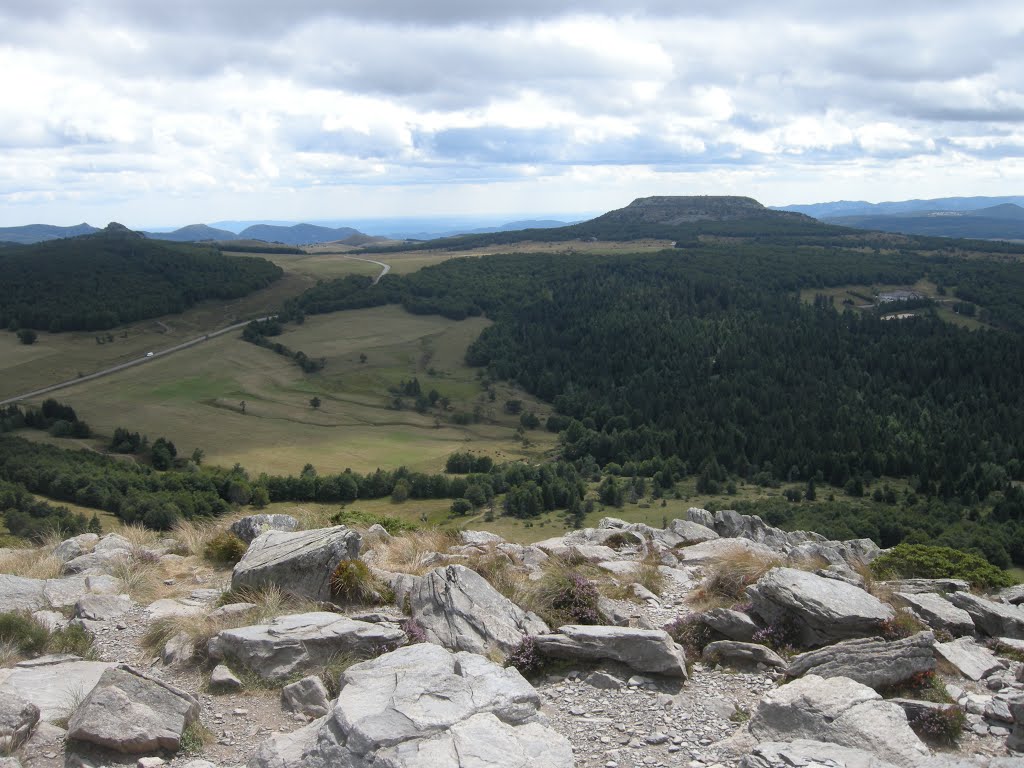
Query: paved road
[[130, 363]]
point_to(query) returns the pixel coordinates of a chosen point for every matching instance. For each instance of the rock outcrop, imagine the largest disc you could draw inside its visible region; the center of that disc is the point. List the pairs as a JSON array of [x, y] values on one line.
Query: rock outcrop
[[249, 528], [812, 754], [645, 650], [837, 711], [297, 642], [131, 712], [18, 717], [821, 610], [424, 706], [937, 612], [873, 662], [297, 563], [994, 619], [461, 611]]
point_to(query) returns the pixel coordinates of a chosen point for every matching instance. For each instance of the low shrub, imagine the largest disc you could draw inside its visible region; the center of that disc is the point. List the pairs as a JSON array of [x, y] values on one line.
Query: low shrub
[[355, 518], [691, 633], [623, 540], [922, 561], [21, 631], [225, 548], [783, 636], [525, 657], [564, 596], [414, 631], [940, 726], [903, 624], [352, 582]]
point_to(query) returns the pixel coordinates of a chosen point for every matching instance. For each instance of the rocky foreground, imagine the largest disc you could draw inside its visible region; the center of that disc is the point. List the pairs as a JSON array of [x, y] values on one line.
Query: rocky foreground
[[717, 641]]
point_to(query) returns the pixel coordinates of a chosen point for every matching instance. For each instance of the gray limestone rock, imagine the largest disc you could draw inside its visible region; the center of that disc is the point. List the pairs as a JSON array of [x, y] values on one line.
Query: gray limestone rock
[[733, 653], [307, 696], [823, 610], [297, 642], [297, 563], [803, 752], [222, 679], [131, 712], [50, 682], [21, 594], [102, 607], [873, 662], [18, 717], [838, 711], [460, 610], [691, 532], [735, 625], [994, 619], [644, 650], [248, 528], [423, 706], [76, 546], [971, 660], [180, 649], [917, 586], [937, 612]]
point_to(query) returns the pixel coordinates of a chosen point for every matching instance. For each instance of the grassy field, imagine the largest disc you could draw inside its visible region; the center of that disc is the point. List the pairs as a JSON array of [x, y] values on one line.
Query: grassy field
[[194, 398]]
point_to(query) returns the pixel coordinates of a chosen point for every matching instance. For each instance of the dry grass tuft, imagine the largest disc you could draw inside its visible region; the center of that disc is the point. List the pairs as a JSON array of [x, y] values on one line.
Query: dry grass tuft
[[193, 535], [411, 552], [33, 563], [501, 572], [726, 582], [566, 593], [140, 537], [9, 654], [143, 579], [648, 574]]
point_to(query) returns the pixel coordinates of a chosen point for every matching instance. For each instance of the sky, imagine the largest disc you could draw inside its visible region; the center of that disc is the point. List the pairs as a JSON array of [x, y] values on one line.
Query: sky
[[170, 113]]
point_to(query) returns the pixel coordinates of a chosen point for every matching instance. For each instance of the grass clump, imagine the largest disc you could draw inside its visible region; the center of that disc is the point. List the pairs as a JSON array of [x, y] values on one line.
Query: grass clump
[[224, 548], [31, 563], [352, 582], [194, 738], [903, 624], [413, 552], [922, 561], [623, 540], [727, 581], [691, 633], [23, 637], [563, 595]]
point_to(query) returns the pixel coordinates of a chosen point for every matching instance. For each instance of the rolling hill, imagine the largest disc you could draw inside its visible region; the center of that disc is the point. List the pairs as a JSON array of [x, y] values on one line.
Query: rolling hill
[[194, 233], [999, 222], [299, 234], [38, 233], [862, 208]]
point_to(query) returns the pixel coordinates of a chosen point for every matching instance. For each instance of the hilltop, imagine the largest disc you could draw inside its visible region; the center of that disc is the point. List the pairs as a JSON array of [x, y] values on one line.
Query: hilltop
[[101, 280], [37, 233], [675, 210]]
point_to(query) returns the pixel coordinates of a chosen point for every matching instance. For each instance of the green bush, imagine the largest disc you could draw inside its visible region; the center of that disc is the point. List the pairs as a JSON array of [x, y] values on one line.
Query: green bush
[[23, 632], [225, 548], [71, 639], [356, 518], [921, 561]]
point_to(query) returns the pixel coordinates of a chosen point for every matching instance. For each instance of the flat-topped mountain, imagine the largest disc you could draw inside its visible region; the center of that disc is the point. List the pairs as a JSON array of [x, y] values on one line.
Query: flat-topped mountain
[[672, 210], [300, 234]]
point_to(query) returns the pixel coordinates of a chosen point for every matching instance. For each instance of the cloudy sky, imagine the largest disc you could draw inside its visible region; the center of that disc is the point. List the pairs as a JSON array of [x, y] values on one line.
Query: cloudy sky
[[178, 111]]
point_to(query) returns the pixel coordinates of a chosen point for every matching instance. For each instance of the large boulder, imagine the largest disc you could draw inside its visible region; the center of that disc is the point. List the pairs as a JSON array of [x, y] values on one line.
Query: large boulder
[[937, 612], [645, 650], [994, 619], [248, 528], [821, 610], [460, 610], [76, 546], [102, 607], [734, 625], [297, 563], [719, 550], [423, 706], [21, 594], [691, 532], [297, 642], [50, 682], [873, 662], [838, 711], [803, 752], [970, 659], [129, 711], [18, 717]]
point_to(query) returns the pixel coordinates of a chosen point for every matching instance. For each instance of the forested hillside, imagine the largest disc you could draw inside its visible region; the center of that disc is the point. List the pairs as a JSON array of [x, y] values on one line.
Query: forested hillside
[[116, 276]]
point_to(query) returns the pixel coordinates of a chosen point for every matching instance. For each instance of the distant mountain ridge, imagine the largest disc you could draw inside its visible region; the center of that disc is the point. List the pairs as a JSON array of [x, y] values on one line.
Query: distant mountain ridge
[[863, 208], [999, 222], [194, 233], [38, 233]]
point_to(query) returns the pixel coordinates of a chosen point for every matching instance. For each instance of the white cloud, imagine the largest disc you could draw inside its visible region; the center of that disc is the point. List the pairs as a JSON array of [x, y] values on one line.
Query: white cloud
[[173, 113]]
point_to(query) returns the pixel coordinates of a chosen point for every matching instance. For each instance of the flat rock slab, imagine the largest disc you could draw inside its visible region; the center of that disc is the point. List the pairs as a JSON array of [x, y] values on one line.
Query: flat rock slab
[[102, 607], [937, 612], [837, 711], [21, 594], [131, 712], [18, 717], [691, 532], [297, 563], [461, 611], [716, 550], [644, 650], [424, 706], [823, 610], [735, 625], [994, 619], [293, 643], [802, 752], [52, 682], [731, 652], [972, 660], [873, 662]]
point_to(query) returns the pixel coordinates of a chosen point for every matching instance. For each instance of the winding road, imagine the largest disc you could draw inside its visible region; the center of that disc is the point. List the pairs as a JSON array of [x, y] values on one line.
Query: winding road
[[385, 268]]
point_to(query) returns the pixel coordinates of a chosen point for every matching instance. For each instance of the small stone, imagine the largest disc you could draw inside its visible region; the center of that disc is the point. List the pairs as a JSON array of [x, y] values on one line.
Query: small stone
[[149, 762], [223, 679]]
